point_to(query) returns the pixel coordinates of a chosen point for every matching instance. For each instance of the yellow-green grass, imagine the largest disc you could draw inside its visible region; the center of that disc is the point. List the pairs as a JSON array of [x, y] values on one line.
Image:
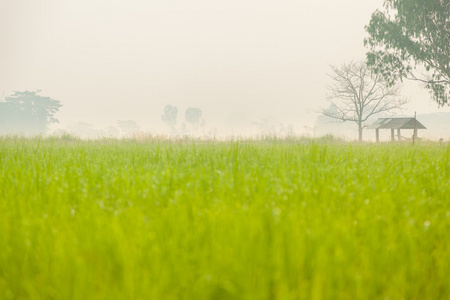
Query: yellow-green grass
[[267, 219]]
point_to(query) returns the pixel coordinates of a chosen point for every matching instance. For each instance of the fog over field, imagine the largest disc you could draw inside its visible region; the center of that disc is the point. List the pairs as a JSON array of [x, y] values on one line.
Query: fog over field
[[197, 149], [250, 66]]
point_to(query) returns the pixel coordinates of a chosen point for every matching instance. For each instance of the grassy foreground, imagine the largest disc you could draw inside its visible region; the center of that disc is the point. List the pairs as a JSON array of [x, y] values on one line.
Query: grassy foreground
[[223, 220]]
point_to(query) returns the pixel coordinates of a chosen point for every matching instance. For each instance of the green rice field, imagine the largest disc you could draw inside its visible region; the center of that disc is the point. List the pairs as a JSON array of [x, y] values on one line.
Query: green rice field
[[249, 219]]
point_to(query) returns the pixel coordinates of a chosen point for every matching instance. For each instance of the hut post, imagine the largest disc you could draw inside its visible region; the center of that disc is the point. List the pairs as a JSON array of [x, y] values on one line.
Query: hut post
[[398, 134], [392, 134], [377, 134]]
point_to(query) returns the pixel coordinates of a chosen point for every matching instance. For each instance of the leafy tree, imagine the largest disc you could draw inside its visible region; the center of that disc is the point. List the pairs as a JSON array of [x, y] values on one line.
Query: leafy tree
[[193, 116], [170, 116], [356, 95], [27, 112], [411, 39]]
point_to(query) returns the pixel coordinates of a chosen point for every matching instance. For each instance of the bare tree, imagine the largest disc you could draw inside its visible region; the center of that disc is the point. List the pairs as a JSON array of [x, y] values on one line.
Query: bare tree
[[356, 95]]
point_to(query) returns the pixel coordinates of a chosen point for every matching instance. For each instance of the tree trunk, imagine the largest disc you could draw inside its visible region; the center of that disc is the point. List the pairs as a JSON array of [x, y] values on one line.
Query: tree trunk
[[360, 130]]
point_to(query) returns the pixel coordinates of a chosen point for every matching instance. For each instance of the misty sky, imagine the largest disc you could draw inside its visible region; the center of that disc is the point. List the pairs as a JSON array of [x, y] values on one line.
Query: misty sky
[[109, 60]]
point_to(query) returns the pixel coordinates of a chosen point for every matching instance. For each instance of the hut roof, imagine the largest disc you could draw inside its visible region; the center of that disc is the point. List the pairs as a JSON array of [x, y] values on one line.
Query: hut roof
[[396, 123]]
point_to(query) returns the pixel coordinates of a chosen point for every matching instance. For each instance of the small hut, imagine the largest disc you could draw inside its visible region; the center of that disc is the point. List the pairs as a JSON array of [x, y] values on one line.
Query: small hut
[[395, 123]]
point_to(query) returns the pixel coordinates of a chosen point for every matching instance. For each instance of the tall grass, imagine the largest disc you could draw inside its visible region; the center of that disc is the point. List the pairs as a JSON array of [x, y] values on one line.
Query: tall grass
[[127, 219]]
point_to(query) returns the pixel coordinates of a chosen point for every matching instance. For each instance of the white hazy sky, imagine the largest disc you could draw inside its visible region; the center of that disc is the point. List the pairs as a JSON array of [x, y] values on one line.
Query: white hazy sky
[[109, 60]]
